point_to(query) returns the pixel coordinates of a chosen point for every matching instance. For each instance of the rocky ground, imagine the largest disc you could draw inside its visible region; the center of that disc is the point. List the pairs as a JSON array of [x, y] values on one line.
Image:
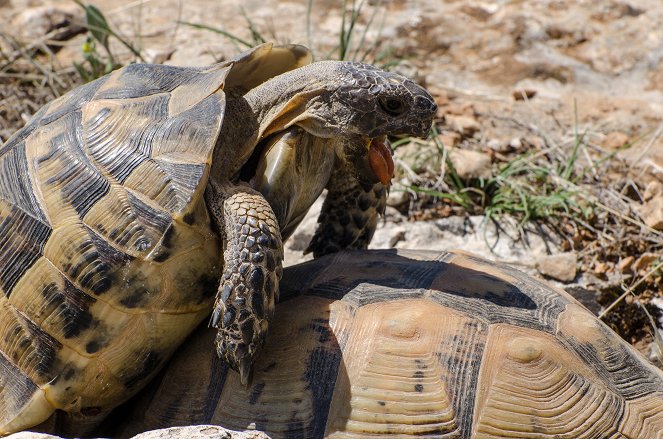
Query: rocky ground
[[554, 81]]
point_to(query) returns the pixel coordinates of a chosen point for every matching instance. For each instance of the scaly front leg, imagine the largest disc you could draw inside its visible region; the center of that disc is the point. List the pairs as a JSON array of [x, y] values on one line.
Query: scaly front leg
[[249, 288]]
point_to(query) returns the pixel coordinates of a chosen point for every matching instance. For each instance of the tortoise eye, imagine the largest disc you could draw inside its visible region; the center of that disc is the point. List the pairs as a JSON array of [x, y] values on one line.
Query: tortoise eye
[[392, 107]]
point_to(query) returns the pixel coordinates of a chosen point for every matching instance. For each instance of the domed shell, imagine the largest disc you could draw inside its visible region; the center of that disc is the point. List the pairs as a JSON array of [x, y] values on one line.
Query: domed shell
[[419, 343], [107, 257]]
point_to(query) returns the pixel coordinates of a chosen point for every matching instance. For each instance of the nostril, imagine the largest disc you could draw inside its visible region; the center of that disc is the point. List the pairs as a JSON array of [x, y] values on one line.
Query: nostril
[[426, 104]]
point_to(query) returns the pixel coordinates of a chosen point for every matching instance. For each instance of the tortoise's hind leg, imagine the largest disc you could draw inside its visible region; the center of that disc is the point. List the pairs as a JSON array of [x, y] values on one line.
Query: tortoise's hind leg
[[252, 257], [349, 214]]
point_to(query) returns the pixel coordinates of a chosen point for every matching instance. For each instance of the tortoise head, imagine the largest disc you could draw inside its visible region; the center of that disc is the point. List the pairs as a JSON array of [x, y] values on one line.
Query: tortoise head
[[357, 105], [342, 99], [372, 102]]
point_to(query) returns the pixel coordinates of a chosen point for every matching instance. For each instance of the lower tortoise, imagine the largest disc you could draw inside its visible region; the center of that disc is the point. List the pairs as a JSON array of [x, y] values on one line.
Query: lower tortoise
[[136, 205], [413, 343]]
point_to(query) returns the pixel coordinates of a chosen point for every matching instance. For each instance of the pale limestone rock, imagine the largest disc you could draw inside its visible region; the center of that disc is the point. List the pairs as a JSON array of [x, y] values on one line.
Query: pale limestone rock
[[33, 23], [615, 140], [417, 156], [200, 432], [652, 209], [398, 197], [31, 435], [465, 125], [645, 261], [562, 267], [470, 164]]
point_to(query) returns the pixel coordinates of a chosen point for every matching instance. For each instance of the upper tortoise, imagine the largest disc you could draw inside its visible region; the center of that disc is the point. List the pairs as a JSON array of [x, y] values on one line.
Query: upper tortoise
[[135, 205]]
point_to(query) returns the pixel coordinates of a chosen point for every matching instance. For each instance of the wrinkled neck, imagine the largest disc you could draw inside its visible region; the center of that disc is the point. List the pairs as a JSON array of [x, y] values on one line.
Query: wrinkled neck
[[270, 97]]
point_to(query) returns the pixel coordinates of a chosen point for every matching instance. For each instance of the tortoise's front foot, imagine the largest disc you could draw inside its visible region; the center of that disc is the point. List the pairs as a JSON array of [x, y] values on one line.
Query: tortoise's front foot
[[249, 285]]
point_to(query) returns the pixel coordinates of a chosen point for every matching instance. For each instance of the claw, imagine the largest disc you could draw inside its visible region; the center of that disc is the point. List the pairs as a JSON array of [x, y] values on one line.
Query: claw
[[245, 369], [237, 356], [216, 315]]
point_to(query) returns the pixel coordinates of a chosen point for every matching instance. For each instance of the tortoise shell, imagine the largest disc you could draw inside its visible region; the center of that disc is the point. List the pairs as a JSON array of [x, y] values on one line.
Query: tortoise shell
[[417, 343], [107, 257]]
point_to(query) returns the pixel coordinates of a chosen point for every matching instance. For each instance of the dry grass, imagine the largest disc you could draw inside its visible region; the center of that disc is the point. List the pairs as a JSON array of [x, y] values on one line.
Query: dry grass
[[29, 78]]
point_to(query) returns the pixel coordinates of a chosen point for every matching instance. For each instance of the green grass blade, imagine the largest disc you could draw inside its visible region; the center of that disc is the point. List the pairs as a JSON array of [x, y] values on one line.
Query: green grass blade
[[450, 196], [228, 35], [341, 46], [309, 9], [255, 34], [98, 26]]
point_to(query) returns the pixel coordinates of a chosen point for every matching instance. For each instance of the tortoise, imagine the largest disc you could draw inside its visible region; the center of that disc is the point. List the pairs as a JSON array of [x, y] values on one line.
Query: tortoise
[[374, 343], [136, 205]]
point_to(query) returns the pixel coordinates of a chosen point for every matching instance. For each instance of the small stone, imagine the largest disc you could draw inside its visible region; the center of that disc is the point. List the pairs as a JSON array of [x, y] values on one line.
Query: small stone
[[625, 264], [154, 56], [644, 262], [524, 94], [601, 268], [561, 267], [534, 142], [31, 435], [417, 157], [481, 11], [504, 145], [516, 143], [200, 432], [59, 22], [470, 164], [653, 189], [651, 211], [615, 140], [393, 215], [398, 197], [459, 109], [465, 125], [449, 138], [496, 145]]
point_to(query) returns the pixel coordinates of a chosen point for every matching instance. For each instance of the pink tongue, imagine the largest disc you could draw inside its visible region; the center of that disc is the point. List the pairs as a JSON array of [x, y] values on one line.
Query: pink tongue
[[379, 157]]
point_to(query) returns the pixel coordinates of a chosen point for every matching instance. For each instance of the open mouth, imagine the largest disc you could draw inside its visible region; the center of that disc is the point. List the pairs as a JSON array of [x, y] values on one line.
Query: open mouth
[[379, 157]]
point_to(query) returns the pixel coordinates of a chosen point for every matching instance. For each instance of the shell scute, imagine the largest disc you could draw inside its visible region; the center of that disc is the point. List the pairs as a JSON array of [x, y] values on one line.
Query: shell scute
[[612, 356], [28, 346], [65, 178], [66, 104], [531, 384], [22, 239], [16, 188], [496, 293]]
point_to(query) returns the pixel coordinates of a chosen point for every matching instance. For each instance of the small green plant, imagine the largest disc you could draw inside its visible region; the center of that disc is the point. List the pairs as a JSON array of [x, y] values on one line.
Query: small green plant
[[96, 63], [528, 187], [528, 191]]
